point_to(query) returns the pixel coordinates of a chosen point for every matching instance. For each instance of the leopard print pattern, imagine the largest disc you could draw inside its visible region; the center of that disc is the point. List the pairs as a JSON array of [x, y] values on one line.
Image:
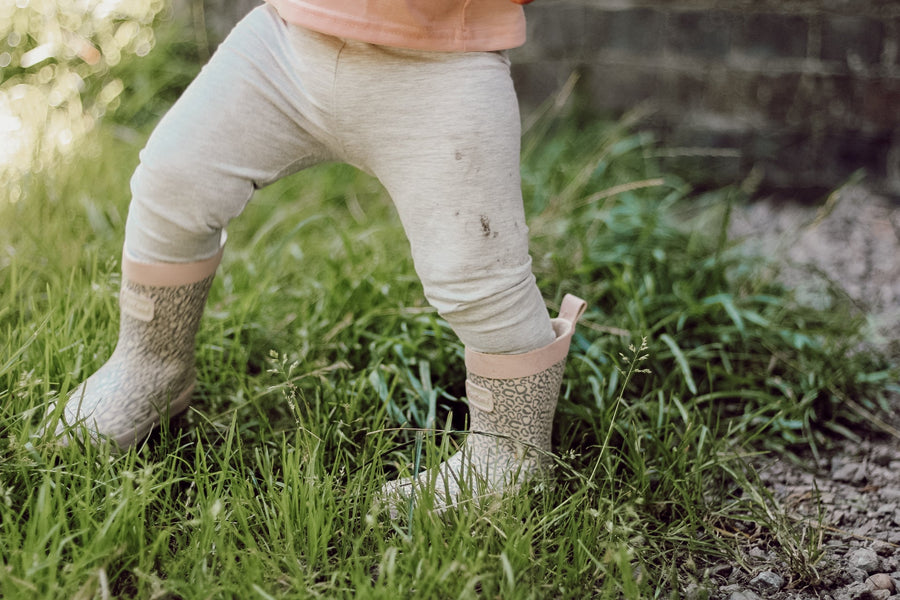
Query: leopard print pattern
[[505, 447], [150, 373]]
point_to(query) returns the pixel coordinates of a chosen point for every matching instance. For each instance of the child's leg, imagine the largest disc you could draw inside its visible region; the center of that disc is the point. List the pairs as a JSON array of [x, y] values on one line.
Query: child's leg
[[249, 118], [442, 131]]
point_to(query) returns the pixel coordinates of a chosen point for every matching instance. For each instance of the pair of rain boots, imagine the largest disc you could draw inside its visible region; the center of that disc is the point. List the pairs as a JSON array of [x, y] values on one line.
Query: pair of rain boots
[[150, 377]]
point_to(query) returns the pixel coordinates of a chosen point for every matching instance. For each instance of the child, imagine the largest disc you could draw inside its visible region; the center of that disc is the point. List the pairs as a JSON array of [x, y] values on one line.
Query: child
[[417, 93]]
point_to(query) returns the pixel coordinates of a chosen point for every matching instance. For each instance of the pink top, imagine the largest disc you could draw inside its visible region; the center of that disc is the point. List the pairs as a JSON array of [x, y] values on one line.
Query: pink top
[[443, 25]]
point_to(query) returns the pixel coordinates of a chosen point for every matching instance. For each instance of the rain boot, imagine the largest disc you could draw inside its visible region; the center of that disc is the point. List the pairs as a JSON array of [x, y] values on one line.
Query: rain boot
[[512, 401], [150, 375]]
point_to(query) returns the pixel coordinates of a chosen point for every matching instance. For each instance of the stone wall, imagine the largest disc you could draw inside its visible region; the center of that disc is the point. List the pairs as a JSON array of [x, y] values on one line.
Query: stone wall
[[805, 91], [808, 91]]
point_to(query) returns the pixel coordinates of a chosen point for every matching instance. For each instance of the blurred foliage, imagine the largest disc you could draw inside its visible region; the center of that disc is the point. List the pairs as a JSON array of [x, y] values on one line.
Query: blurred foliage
[[66, 64], [655, 260]]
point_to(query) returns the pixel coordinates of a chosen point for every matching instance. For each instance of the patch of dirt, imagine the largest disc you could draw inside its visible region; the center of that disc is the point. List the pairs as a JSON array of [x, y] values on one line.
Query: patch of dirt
[[852, 240], [844, 506]]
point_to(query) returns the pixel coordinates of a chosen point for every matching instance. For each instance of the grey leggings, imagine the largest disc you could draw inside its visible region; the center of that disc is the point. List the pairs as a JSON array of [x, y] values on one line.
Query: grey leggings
[[440, 131]]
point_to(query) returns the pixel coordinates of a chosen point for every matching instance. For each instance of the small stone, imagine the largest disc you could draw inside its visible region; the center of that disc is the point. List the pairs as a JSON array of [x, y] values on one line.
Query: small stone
[[873, 595], [696, 591], [880, 581], [768, 581], [744, 595], [890, 493], [757, 552], [865, 559], [850, 472], [857, 575], [882, 456]]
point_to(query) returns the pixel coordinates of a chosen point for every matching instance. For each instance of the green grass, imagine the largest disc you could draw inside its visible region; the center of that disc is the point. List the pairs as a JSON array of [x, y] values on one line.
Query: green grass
[[318, 361]]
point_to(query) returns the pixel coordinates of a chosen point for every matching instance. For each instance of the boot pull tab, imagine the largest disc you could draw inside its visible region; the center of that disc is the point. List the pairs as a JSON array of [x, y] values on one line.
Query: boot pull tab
[[572, 308]]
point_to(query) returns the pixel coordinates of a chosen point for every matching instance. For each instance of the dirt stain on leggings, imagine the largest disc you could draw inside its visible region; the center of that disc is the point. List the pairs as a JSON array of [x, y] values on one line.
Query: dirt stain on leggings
[[485, 226], [486, 230]]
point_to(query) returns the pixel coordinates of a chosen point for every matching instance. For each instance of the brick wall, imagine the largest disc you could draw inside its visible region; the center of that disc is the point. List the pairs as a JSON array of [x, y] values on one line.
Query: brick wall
[[805, 91]]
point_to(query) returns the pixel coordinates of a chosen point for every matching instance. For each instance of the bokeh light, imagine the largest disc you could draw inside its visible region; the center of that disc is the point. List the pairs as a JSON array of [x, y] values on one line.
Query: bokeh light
[[55, 80]]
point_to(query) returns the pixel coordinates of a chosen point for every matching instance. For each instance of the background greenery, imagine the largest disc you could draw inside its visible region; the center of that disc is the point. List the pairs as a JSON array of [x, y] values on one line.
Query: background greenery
[[320, 366]]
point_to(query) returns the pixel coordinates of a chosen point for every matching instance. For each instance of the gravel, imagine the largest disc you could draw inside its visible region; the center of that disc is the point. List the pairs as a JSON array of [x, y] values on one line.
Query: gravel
[[856, 525], [848, 497]]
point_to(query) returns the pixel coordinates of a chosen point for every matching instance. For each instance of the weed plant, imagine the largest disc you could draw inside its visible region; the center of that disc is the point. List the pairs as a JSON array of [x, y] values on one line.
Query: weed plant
[[322, 372]]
